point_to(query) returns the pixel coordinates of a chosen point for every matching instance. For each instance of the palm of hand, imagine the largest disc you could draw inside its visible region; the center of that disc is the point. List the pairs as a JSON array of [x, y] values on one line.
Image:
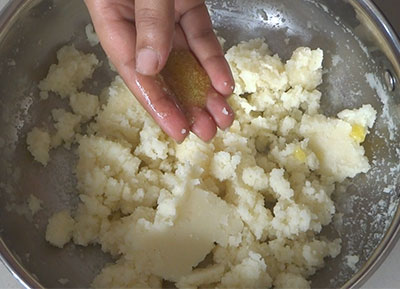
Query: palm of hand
[[127, 27]]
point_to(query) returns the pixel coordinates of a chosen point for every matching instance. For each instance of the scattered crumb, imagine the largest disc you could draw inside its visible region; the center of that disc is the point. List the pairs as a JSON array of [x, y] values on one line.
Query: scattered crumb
[[351, 261], [91, 35], [38, 142], [336, 59], [63, 281], [59, 229], [11, 62], [44, 95], [34, 204]]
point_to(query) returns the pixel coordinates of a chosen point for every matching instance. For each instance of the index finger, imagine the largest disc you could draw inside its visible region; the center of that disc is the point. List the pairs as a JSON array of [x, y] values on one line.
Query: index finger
[[155, 21], [196, 24], [115, 28]]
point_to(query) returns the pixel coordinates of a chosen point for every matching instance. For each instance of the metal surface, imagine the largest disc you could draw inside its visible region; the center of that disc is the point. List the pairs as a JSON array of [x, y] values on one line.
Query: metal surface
[[390, 81], [359, 46]]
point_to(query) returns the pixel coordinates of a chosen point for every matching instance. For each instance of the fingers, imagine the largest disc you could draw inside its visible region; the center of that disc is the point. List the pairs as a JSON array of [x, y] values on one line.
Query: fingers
[[197, 26], [203, 125], [220, 110], [160, 103], [114, 25], [155, 21], [204, 121], [216, 112]]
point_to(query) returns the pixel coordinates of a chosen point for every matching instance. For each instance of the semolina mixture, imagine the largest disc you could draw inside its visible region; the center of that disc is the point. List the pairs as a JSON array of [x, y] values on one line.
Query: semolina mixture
[[243, 211]]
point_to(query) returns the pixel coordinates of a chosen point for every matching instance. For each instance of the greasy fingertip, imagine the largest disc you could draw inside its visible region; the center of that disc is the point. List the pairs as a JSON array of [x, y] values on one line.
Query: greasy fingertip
[[176, 131], [225, 86], [220, 110], [203, 124], [154, 23], [161, 105], [175, 124], [220, 75]]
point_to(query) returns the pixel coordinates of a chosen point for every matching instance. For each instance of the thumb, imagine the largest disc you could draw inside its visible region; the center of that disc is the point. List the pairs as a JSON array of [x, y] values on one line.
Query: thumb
[[155, 23]]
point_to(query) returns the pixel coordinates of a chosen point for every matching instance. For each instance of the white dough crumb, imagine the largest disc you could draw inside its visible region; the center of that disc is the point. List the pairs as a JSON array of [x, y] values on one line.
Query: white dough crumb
[[351, 261], [34, 204], [60, 228], [336, 59], [91, 35], [11, 62], [38, 142], [44, 95], [63, 281]]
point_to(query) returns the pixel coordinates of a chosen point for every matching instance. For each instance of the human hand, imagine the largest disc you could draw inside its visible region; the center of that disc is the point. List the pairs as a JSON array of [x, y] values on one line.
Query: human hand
[[138, 36]]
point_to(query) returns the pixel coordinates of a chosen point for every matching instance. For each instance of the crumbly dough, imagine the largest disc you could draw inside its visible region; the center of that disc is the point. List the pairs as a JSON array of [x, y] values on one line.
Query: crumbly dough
[[66, 125], [91, 35], [253, 199], [72, 69], [38, 142], [60, 228], [84, 104], [351, 261], [34, 204]]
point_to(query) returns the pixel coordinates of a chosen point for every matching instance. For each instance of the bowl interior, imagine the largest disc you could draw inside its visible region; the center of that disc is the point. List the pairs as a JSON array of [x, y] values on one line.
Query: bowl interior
[[353, 75]]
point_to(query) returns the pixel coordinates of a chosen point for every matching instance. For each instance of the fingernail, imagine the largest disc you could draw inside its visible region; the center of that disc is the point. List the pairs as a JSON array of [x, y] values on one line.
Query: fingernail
[[147, 61]]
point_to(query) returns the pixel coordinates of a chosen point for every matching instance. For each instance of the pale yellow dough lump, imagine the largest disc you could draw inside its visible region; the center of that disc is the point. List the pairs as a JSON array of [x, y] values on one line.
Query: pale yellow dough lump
[[68, 75], [253, 200], [60, 228], [38, 142], [34, 204], [84, 104], [65, 79]]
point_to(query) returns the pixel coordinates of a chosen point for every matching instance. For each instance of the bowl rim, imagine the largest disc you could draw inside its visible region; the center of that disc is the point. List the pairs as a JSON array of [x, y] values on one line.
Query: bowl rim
[[392, 234], [8, 15]]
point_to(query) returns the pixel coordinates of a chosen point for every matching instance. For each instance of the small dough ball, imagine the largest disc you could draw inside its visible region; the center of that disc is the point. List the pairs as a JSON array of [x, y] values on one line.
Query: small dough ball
[[59, 229], [255, 177], [223, 165], [280, 185], [245, 59], [84, 104], [72, 69], [39, 145], [35, 205], [305, 68], [91, 35], [364, 116], [66, 124]]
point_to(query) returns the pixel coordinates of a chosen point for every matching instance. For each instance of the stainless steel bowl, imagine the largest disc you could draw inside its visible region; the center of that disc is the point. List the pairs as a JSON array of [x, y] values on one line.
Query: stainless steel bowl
[[361, 63]]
